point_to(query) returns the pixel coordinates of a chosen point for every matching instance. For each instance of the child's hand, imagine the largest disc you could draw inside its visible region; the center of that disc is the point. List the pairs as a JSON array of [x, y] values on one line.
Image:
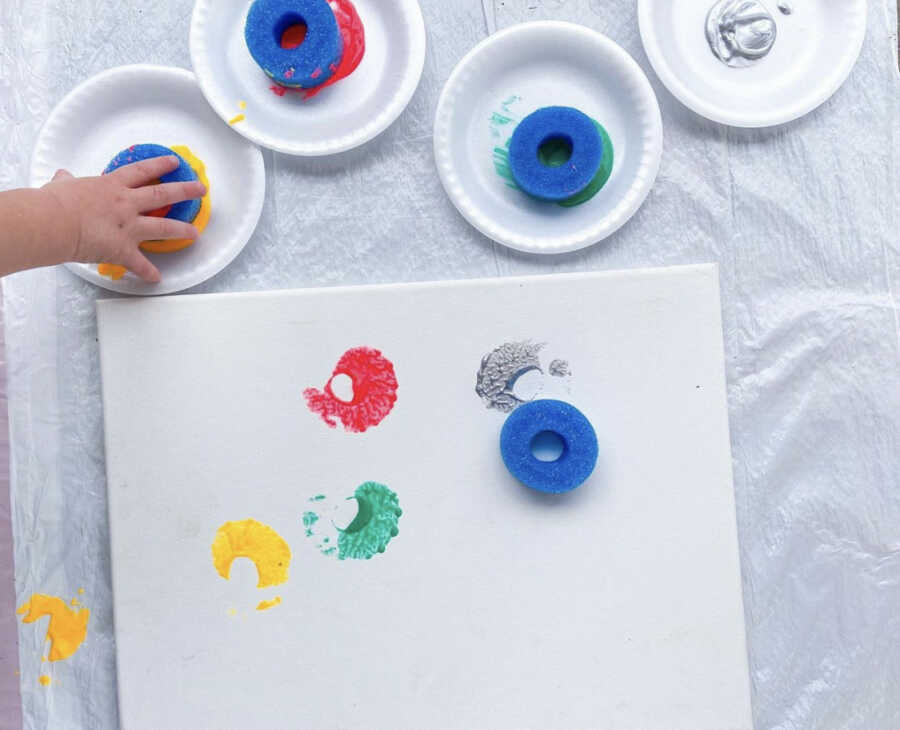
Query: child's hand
[[104, 217]]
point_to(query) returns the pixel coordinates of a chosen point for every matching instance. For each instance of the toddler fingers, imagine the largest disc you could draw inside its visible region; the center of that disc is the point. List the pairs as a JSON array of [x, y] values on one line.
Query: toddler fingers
[[146, 171], [140, 265], [152, 229], [153, 197]]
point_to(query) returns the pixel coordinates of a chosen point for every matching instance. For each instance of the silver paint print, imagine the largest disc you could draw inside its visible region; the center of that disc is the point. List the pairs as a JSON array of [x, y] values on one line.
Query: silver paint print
[[740, 32], [559, 369], [499, 371]]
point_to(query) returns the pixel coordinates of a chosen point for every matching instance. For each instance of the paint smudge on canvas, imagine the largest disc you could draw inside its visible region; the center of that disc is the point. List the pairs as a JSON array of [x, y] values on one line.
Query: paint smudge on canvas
[[309, 519], [368, 534], [559, 369], [265, 605], [374, 391]]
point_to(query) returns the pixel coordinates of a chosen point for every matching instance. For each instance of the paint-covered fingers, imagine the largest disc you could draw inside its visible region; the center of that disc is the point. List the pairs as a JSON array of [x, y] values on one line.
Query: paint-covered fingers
[[146, 171], [153, 229], [153, 197]]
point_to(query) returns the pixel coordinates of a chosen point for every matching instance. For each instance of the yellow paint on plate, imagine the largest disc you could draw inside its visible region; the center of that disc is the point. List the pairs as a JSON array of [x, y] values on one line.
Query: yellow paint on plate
[[256, 541], [232, 612], [44, 680], [67, 628], [81, 591], [113, 271], [242, 105], [263, 605], [237, 118]]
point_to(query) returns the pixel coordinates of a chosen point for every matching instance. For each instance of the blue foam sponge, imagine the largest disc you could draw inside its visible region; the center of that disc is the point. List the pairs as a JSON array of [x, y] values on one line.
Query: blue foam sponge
[[311, 63], [186, 210], [579, 454], [566, 128]]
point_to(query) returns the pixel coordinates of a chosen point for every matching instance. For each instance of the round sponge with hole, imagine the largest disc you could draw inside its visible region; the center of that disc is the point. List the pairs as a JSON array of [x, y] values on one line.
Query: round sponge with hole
[[566, 129], [186, 210], [579, 454], [306, 65]]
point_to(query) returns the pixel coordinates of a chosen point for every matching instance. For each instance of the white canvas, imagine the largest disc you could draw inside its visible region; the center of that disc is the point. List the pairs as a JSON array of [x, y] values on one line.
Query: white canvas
[[615, 606]]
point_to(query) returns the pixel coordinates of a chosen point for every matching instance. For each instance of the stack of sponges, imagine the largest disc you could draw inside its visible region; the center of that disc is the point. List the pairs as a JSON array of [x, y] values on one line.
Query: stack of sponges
[[189, 168], [560, 154], [306, 64]]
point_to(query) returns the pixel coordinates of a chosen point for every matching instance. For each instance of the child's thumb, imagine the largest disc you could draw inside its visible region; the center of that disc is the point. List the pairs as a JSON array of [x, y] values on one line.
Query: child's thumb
[[62, 175]]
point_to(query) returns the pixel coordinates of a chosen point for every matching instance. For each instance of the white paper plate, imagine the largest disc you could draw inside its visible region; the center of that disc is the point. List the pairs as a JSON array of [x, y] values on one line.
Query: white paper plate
[[135, 104], [815, 49], [511, 74], [341, 116]]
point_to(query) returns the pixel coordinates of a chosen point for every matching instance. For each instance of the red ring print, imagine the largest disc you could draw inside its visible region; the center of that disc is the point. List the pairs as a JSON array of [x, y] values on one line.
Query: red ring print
[[374, 391]]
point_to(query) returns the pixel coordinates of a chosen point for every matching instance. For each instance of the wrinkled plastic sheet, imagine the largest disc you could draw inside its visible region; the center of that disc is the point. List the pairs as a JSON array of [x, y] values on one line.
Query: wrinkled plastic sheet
[[801, 218]]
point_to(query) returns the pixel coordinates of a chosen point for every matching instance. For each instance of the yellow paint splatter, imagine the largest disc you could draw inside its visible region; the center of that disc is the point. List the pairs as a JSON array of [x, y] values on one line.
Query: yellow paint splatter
[[67, 628], [256, 541], [44, 680], [43, 658], [263, 605], [81, 591], [237, 118], [242, 105]]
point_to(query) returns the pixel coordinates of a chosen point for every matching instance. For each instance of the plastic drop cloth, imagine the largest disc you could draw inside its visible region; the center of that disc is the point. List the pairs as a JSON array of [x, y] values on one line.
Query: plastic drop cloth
[[802, 220]]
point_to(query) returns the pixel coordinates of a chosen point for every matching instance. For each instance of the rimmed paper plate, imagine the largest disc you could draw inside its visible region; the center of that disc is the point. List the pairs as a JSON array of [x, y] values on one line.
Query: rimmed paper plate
[[135, 104], [341, 116], [815, 48], [511, 74]]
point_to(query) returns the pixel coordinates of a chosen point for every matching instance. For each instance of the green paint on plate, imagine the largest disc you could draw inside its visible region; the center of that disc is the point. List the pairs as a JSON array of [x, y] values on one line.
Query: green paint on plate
[[603, 173], [501, 165]]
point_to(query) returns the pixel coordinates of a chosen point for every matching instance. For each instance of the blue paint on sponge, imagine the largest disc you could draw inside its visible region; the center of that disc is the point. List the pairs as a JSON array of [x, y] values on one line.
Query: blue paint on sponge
[[311, 63], [579, 453], [186, 210], [563, 127]]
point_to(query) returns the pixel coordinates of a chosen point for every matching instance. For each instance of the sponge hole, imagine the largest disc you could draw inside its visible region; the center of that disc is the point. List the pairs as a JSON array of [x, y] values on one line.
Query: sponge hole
[[342, 387], [554, 151], [547, 446], [290, 31]]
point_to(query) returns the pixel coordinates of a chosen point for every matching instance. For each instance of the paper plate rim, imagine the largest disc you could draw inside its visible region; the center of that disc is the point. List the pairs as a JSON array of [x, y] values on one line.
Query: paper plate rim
[[717, 113], [375, 126], [648, 168], [40, 171]]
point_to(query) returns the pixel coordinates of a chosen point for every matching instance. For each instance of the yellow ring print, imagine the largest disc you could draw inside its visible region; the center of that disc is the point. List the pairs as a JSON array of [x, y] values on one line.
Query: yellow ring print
[[269, 551]]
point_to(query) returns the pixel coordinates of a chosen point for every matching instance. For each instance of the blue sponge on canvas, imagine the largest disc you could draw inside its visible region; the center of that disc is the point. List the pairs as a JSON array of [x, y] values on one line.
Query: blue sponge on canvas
[[579, 454], [555, 152], [186, 210], [306, 65]]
